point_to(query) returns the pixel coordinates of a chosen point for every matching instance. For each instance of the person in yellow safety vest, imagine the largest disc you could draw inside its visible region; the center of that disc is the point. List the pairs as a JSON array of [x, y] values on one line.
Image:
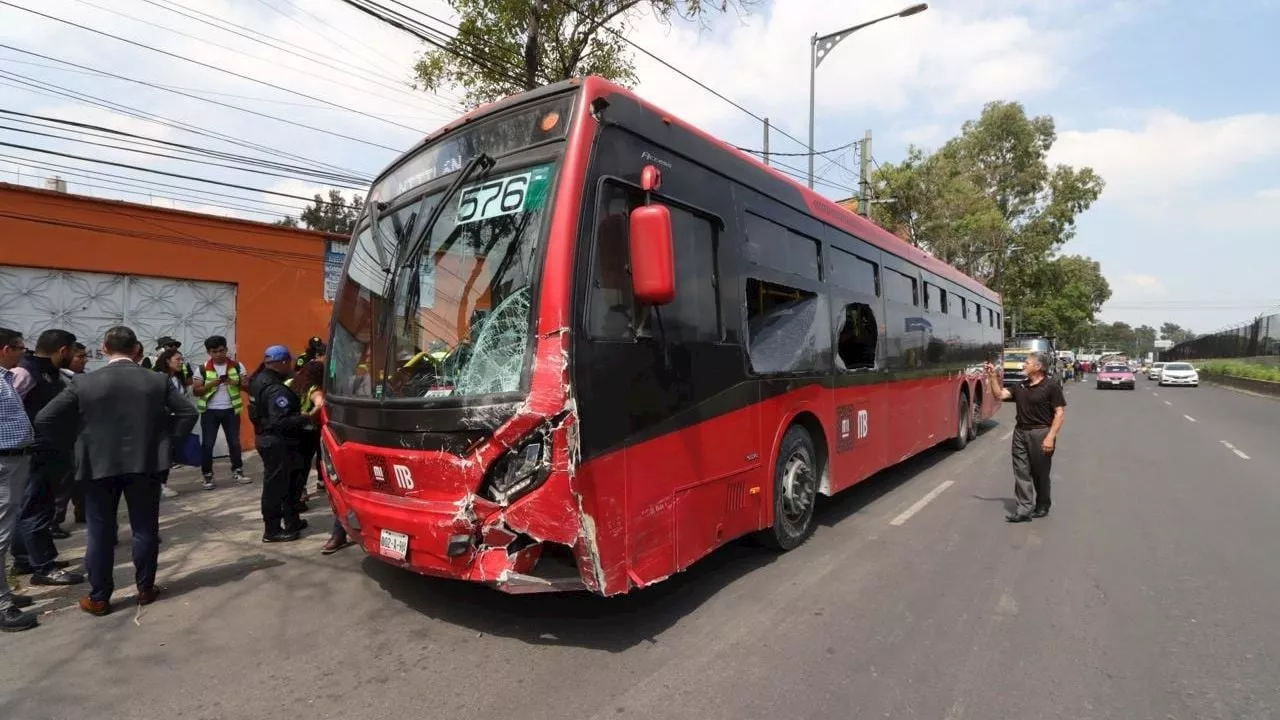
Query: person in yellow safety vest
[[315, 351], [306, 384], [218, 389]]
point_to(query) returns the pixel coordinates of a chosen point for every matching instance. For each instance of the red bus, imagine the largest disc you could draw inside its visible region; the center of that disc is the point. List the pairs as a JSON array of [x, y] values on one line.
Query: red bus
[[580, 344]]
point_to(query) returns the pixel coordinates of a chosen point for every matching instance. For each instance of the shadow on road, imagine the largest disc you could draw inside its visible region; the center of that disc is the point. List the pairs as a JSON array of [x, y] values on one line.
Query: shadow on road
[[1010, 505], [619, 623]]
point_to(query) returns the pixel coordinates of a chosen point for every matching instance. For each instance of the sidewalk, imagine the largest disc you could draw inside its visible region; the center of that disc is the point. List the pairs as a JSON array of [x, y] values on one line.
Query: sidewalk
[[207, 538]]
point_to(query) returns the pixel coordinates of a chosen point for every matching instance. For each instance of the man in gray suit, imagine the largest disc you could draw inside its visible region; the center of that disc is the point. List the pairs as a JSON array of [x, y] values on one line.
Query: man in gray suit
[[123, 418]]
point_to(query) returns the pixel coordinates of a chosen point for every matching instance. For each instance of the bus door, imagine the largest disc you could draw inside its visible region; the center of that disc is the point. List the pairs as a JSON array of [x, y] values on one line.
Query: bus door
[[661, 395], [861, 422], [906, 340]]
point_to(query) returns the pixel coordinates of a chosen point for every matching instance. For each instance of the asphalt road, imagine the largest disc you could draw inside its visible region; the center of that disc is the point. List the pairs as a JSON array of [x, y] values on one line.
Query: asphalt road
[[1150, 592]]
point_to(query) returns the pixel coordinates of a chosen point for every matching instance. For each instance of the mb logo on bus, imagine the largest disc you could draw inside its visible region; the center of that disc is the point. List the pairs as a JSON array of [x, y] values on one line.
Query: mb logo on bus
[[851, 422], [404, 478]]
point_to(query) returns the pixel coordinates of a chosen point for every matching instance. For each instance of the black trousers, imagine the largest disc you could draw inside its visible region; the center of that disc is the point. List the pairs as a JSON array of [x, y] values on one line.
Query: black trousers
[[211, 421], [280, 460], [33, 542], [101, 503], [309, 455], [69, 492], [1031, 466]]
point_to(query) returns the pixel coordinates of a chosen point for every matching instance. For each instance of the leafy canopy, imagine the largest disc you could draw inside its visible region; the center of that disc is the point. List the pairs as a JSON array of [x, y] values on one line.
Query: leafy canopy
[[503, 47], [989, 203], [335, 215]]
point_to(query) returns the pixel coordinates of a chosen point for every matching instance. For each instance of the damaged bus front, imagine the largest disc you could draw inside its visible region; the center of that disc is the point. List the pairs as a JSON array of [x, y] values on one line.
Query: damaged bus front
[[450, 432]]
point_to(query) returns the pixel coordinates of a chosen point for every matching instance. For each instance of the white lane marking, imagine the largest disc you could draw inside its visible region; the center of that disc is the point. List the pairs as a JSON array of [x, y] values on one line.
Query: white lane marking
[[1166, 402], [933, 494], [1189, 418], [1006, 436], [1235, 450], [1153, 392]]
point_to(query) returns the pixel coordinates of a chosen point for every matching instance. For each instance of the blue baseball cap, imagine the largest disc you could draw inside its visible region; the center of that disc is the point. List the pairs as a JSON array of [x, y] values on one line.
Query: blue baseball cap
[[277, 353]]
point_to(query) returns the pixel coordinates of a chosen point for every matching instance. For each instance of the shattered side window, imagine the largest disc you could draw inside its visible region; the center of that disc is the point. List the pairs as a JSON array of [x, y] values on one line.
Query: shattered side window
[[788, 329]]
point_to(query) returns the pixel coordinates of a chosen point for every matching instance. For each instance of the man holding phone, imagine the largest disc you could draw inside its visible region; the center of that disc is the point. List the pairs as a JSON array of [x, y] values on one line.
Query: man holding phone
[[217, 388], [1041, 409]]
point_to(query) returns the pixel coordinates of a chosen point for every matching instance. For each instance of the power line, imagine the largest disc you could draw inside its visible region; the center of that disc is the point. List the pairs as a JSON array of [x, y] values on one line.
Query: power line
[[147, 192], [687, 76], [166, 156], [168, 174], [238, 51], [54, 90], [298, 51], [99, 131], [128, 181], [430, 35], [184, 58], [197, 97], [152, 186], [846, 146]]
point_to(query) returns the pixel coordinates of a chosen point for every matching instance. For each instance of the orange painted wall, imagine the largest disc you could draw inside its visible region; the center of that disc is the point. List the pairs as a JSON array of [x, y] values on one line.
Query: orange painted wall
[[279, 272]]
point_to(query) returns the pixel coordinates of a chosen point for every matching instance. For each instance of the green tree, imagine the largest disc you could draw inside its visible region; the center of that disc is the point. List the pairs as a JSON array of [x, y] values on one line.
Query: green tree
[[1144, 339], [1064, 296], [504, 47], [989, 203], [1176, 333], [335, 215], [288, 221]]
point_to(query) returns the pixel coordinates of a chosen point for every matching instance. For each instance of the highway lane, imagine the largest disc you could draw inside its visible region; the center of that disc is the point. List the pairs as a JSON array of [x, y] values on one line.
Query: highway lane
[[1248, 422], [1148, 593]]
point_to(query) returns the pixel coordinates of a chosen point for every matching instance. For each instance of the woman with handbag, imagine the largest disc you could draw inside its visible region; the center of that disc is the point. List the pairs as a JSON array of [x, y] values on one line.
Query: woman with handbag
[[171, 363]]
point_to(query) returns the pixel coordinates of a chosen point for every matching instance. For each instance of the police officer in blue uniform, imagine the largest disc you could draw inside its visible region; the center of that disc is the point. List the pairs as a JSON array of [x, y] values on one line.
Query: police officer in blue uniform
[[279, 427]]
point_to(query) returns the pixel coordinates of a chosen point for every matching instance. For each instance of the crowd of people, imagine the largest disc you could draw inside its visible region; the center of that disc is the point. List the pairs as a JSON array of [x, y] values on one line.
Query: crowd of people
[[77, 441]]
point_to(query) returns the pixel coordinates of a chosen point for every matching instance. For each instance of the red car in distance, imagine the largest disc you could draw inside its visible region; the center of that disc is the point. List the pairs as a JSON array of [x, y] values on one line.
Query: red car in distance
[[1116, 376]]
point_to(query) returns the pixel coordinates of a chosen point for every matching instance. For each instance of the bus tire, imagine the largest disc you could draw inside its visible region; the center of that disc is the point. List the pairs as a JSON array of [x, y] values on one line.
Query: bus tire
[[795, 491], [964, 424]]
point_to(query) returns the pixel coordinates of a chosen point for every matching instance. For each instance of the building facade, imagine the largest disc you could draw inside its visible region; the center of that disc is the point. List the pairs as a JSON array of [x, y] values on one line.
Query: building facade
[[84, 264]]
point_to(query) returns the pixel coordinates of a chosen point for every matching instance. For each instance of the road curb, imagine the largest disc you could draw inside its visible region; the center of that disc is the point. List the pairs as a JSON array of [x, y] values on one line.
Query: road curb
[[1257, 388]]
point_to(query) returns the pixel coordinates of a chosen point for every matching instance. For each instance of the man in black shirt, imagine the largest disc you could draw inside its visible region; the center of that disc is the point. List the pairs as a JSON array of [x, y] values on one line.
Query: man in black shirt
[[1041, 409]]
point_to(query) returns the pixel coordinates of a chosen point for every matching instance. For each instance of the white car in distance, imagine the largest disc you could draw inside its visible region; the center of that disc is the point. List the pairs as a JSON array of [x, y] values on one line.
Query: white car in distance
[[1153, 372], [1177, 373]]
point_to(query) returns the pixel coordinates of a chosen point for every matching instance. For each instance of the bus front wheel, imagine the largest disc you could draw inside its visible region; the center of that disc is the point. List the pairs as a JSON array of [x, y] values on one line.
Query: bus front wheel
[[964, 424], [795, 491]]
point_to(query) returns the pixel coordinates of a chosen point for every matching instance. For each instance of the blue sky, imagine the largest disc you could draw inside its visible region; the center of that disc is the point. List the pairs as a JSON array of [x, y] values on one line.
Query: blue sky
[[1174, 102]]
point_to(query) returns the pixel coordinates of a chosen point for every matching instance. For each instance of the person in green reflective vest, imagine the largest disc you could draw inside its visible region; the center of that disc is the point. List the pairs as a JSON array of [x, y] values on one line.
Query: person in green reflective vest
[[218, 387]]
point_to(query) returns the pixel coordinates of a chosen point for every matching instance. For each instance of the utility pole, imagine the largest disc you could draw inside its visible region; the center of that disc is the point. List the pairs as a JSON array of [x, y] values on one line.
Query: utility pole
[[766, 141], [864, 177]]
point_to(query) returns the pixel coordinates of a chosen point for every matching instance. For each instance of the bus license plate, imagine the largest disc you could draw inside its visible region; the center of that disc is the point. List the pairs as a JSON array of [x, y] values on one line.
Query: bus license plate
[[394, 545]]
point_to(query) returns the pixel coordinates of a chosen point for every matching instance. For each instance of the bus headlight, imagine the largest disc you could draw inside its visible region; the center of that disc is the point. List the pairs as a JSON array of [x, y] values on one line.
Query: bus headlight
[[517, 472], [329, 468]]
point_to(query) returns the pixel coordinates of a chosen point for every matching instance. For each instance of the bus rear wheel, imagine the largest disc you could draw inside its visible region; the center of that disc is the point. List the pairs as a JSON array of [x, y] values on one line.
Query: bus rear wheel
[[795, 491], [964, 424]]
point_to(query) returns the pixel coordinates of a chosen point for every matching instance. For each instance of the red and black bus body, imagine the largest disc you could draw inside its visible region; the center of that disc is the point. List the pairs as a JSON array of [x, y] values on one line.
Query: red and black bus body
[[647, 436]]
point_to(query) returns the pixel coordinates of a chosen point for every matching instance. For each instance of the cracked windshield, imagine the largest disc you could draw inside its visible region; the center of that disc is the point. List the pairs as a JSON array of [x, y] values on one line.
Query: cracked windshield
[[456, 320]]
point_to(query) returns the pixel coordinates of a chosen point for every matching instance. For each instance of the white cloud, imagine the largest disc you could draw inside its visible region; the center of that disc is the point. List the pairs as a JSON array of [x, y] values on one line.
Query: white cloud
[[1170, 155], [956, 54], [1139, 283]]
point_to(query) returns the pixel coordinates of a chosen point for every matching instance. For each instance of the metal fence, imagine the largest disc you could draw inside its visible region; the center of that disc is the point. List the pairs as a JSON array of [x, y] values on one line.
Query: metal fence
[[1259, 338]]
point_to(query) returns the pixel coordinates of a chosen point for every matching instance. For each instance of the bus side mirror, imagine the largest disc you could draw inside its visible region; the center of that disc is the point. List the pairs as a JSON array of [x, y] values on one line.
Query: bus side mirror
[[653, 266]]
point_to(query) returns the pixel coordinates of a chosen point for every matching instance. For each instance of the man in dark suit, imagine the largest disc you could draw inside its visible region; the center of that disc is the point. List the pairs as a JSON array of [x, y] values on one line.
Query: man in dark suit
[[124, 418]]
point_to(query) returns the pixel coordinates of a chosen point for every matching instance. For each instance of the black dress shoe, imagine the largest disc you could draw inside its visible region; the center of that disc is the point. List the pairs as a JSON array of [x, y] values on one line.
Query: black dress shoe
[[58, 533], [25, 569], [281, 536], [1017, 518], [58, 577], [14, 620], [1040, 512], [302, 525]]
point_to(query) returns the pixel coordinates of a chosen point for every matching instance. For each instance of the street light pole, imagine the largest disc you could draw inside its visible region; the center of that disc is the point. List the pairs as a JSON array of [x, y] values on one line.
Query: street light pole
[[821, 45]]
